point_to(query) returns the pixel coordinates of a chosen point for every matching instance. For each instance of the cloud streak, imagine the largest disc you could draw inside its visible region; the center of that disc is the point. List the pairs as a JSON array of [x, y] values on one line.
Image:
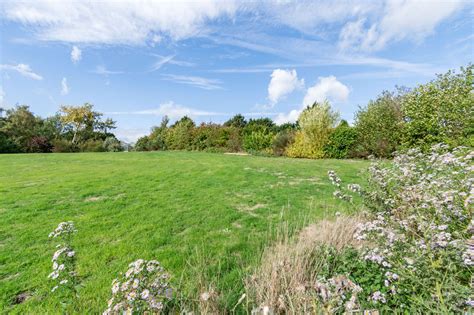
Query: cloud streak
[[23, 69], [199, 82]]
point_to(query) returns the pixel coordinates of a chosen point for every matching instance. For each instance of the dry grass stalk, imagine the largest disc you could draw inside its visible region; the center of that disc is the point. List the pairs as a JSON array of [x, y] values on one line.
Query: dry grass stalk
[[288, 268]]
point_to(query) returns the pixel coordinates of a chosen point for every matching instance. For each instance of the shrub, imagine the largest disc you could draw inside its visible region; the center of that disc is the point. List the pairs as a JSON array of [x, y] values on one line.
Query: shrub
[[441, 111], [92, 145], [316, 123], [111, 144], [63, 146], [379, 126], [341, 141], [282, 141], [39, 144], [257, 141], [143, 144]]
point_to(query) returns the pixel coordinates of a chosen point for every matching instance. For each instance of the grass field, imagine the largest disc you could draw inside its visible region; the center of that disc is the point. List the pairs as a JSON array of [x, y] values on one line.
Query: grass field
[[184, 209]]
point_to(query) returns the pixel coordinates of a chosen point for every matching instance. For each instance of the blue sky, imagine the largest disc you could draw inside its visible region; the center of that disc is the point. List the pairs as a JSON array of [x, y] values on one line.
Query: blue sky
[[139, 60]]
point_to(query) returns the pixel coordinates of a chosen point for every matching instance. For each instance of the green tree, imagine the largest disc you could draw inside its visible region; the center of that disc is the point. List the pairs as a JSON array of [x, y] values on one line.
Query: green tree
[[441, 111], [19, 126], [379, 125], [237, 121]]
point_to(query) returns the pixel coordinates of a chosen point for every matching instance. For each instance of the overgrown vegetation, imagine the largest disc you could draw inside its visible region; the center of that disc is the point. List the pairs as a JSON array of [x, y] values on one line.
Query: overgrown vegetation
[[409, 250]]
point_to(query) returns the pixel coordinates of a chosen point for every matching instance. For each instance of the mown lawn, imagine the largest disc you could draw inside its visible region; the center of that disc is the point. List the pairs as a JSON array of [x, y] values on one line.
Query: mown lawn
[[184, 209]]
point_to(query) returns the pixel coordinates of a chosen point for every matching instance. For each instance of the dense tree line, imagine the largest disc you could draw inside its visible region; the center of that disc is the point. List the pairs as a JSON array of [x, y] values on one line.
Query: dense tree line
[[439, 111], [72, 129]]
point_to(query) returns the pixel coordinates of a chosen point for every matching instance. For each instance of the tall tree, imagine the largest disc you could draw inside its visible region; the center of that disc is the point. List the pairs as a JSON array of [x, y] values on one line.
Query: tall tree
[[79, 118]]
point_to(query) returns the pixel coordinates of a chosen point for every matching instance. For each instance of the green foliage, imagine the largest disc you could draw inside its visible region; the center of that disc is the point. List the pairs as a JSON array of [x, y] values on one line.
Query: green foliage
[[282, 140], [238, 121], [341, 141], [441, 111], [111, 144], [258, 140], [179, 136], [316, 123], [92, 145], [20, 126], [64, 146], [379, 126]]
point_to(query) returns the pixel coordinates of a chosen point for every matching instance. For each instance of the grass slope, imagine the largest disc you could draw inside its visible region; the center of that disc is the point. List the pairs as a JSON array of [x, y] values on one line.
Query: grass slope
[[176, 207]]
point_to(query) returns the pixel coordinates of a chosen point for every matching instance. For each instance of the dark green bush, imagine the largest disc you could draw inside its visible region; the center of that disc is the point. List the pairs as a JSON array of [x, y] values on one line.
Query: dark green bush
[[92, 146], [341, 141], [379, 126], [63, 146]]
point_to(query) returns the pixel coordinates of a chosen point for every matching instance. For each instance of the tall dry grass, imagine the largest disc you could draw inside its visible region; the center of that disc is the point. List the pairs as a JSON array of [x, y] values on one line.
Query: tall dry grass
[[289, 269]]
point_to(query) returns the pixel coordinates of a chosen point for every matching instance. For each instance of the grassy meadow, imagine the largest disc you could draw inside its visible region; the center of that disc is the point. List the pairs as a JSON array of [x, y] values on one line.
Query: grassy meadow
[[202, 215]]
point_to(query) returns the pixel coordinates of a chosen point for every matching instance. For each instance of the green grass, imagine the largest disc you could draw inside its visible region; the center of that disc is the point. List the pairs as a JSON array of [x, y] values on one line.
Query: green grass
[[176, 207]]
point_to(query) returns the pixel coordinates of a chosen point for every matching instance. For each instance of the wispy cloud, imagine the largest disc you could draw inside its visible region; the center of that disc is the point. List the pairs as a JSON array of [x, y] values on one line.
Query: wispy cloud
[[102, 70], [163, 60], [172, 110], [199, 82], [23, 69]]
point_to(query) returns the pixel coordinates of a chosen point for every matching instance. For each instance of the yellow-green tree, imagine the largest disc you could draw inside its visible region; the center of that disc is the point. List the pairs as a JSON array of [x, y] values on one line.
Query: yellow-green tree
[[78, 118], [316, 124]]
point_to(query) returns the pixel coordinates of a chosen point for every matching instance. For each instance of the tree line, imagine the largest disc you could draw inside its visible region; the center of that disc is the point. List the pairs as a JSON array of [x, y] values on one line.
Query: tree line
[[441, 110], [72, 129]]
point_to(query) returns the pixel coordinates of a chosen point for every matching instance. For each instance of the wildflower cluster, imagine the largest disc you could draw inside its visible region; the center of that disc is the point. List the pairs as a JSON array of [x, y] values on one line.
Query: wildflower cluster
[[143, 288], [420, 229], [338, 193], [64, 258], [337, 294]]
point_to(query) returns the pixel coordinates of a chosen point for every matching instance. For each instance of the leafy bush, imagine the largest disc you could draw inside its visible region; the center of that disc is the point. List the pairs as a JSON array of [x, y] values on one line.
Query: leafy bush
[[92, 145], [441, 111], [282, 141], [316, 123], [341, 141], [379, 126], [256, 141], [39, 144], [64, 146], [111, 144]]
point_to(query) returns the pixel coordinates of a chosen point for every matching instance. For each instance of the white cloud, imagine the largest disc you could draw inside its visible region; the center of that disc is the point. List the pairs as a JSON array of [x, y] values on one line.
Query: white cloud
[[23, 69], [116, 22], [399, 20], [327, 88], [130, 135], [172, 110], [199, 82], [282, 83], [290, 117], [64, 87], [76, 54]]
